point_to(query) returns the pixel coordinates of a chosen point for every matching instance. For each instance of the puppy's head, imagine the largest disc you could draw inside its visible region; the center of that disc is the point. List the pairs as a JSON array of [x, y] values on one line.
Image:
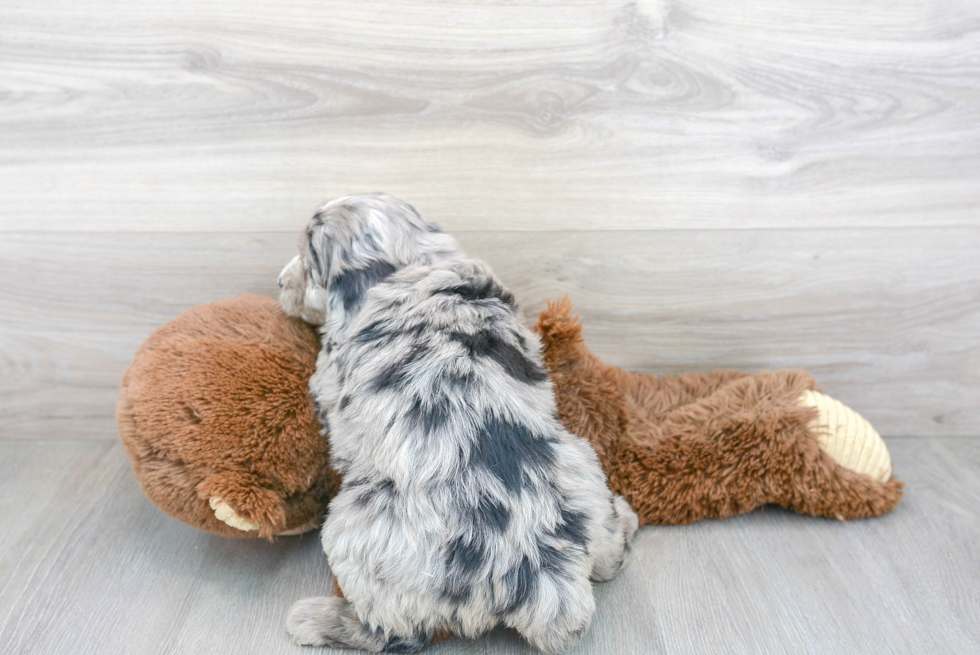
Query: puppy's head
[[351, 244]]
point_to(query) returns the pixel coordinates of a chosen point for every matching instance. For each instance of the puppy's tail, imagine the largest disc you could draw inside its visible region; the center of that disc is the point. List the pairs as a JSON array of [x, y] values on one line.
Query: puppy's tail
[[332, 621]]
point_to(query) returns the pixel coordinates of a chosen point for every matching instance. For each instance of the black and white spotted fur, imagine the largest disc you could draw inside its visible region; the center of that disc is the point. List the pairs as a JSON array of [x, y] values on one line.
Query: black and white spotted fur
[[465, 504]]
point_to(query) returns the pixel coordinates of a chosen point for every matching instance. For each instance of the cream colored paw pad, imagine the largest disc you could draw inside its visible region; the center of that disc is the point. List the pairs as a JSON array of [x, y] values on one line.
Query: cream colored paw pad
[[848, 437], [224, 513]]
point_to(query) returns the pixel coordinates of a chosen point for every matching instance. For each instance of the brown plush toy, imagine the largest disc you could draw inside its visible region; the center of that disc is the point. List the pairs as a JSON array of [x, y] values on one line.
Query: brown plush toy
[[681, 449], [216, 418]]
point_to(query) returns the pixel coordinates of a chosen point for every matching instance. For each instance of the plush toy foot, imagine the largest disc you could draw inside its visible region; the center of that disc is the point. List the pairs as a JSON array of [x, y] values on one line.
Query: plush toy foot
[[312, 524], [223, 512], [848, 438]]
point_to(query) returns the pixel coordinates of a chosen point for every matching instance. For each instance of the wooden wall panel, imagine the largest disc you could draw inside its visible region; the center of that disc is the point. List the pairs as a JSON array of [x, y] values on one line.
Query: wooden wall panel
[[888, 320], [717, 184], [501, 115]]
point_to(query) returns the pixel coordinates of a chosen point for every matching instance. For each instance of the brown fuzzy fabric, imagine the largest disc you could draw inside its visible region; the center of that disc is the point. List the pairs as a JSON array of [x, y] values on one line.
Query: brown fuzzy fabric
[[698, 446], [215, 404]]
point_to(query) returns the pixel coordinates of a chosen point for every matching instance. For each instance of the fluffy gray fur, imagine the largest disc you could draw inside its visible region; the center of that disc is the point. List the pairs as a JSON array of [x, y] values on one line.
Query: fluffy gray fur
[[465, 503]]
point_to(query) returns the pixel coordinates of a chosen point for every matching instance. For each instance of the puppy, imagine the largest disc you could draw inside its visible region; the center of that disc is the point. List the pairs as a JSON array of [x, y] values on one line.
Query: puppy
[[465, 504]]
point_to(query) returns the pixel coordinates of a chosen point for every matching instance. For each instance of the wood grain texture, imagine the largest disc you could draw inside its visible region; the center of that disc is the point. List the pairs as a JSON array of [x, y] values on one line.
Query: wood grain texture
[[527, 115], [887, 320], [89, 565]]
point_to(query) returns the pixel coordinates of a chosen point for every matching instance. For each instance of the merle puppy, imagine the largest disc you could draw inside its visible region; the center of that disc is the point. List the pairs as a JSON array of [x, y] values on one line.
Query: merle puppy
[[465, 503]]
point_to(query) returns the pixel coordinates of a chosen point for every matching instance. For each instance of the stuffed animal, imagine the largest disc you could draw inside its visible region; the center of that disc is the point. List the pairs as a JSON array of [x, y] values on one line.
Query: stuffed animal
[[215, 416], [681, 449], [216, 420]]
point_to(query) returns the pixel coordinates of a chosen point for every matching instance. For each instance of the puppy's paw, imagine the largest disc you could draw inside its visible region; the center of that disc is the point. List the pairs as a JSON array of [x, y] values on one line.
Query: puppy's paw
[[611, 551], [628, 519], [326, 621], [224, 513], [306, 619]]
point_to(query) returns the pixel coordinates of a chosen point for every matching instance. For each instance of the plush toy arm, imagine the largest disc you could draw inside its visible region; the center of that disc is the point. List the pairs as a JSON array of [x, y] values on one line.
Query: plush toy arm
[[244, 502], [224, 513]]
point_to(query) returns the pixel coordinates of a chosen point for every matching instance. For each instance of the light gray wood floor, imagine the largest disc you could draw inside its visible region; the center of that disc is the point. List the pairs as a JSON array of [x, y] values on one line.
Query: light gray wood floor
[[89, 565]]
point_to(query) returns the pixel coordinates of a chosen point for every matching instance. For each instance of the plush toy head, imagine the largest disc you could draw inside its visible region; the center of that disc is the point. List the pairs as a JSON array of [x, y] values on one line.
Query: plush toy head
[[214, 415]]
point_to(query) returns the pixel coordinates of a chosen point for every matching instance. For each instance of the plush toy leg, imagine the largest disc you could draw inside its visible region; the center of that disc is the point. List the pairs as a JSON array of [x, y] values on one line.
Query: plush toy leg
[[848, 438], [749, 443], [309, 526], [685, 448]]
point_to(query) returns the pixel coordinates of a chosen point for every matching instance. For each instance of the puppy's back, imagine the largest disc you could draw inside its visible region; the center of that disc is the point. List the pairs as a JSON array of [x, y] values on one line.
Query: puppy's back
[[465, 502]]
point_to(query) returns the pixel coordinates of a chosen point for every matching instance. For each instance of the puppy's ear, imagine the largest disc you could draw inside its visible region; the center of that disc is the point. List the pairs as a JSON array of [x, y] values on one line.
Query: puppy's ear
[[319, 249], [346, 291]]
